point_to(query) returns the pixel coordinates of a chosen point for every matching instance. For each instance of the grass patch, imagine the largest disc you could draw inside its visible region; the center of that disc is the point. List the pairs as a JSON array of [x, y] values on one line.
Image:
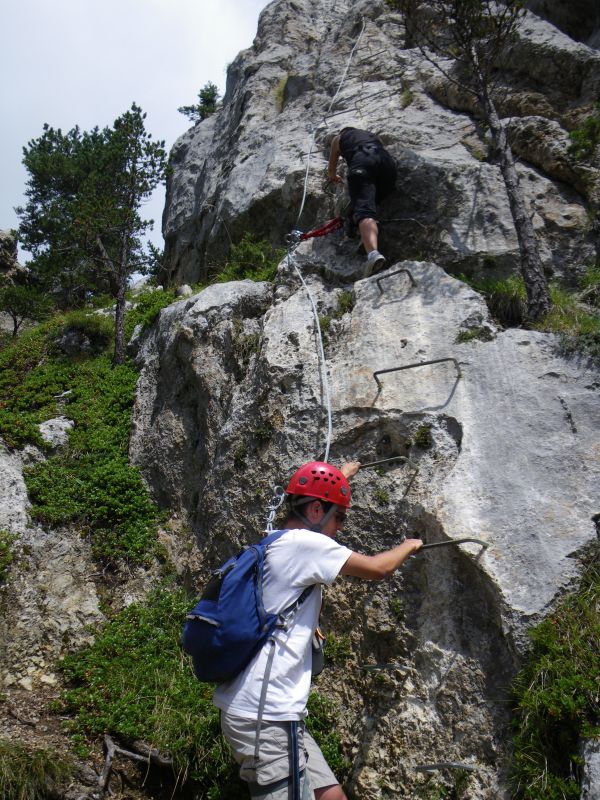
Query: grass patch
[[147, 306], [578, 325], [423, 437], [7, 541], [27, 774], [506, 298], [88, 482], [338, 649], [474, 334], [251, 258], [134, 682], [321, 722], [556, 694]]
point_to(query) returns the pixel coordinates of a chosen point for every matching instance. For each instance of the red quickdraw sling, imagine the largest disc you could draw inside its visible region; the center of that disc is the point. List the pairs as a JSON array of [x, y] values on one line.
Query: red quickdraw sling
[[329, 227]]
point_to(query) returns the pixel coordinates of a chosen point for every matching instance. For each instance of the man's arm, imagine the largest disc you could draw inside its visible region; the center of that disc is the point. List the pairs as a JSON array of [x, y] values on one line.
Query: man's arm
[[334, 154], [381, 565]]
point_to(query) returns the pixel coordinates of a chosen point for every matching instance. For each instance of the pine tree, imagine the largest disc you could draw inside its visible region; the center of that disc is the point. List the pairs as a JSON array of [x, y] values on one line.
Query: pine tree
[[82, 221]]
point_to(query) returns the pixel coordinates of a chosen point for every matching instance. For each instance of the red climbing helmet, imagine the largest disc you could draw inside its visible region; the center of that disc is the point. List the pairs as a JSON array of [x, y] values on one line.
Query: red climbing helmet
[[322, 481]]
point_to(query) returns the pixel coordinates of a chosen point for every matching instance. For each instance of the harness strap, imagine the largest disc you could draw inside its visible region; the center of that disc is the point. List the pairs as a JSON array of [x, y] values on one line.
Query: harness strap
[[295, 759]]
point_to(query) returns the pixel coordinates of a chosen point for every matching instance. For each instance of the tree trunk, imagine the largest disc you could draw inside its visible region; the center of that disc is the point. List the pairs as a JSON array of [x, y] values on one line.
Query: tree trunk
[[538, 295], [119, 356]]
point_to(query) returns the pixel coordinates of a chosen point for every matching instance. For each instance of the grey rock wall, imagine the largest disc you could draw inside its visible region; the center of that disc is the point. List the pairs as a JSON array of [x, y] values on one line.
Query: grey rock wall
[[315, 67], [231, 400]]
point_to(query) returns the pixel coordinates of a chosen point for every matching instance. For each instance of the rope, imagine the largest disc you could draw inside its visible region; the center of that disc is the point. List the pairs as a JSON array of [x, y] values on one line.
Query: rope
[[296, 237], [324, 378], [316, 127]]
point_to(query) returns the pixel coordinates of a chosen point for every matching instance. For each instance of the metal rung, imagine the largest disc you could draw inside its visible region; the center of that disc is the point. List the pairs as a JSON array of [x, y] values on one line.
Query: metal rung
[[417, 364], [485, 545], [383, 461], [445, 765], [391, 275]]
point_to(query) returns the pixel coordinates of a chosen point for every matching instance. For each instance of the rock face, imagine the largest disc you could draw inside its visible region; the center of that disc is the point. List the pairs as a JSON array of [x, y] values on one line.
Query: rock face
[[315, 68], [482, 433], [496, 439], [231, 399]]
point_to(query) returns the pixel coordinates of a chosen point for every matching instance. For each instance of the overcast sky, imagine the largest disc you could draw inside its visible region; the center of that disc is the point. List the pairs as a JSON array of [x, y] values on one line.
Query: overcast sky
[[83, 62]]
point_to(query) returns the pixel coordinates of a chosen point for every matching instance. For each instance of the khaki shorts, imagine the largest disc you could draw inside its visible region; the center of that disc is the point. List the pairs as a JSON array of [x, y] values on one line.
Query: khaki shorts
[[270, 779]]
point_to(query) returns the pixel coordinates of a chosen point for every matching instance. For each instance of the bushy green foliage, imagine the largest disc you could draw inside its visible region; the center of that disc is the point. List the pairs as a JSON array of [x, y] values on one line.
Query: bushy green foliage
[[90, 483], [251, 258], [134, 682], [321, 722], [97, 329], [586, 138], [24, 303], [27, 774], [146, 308], [7, 541], [557, 694], [30, 379], [208, 98]]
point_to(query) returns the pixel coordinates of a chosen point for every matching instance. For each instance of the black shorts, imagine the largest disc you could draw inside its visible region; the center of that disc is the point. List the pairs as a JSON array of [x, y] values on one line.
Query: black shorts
[[371, 177]]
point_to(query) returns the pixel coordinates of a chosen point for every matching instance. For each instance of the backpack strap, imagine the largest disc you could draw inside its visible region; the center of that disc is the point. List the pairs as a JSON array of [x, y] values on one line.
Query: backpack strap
[[284, 619]]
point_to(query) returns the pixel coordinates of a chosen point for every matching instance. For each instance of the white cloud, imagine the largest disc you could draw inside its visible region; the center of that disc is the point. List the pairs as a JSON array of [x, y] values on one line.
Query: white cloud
[[83, 62]]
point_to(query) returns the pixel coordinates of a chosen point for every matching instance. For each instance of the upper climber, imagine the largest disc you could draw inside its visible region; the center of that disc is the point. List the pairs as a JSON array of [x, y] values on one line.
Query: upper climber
[[371, 177]]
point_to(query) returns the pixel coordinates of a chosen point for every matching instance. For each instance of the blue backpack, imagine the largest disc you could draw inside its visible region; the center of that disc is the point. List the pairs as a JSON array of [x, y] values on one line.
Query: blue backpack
[[229, 624]]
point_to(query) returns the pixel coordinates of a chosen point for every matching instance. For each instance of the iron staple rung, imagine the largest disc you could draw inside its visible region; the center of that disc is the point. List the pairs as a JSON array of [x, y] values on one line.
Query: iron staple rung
[[454, 541], [391, 275], [383, 461], [416, 364], [445, 765]]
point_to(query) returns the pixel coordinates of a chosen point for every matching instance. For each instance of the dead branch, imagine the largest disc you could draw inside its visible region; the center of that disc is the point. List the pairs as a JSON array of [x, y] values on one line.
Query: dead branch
[[146, 755]]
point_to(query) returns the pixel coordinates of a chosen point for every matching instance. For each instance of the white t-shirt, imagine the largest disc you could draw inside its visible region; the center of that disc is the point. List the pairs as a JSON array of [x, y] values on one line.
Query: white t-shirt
[[297, 559]]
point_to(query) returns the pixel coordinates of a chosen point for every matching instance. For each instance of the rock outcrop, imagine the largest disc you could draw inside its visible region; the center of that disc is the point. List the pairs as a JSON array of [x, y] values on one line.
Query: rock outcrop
[[482, 433], [231, 399], [244, 168]]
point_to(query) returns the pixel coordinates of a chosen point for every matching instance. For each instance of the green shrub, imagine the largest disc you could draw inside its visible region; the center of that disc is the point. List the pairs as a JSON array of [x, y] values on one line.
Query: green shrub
[[251, 258], [146, 308], [7, 541], [321, 722], [27, 774], [556, 694], [423, 437], [134, 682], [90, 483], [586, 138], [99, 329]]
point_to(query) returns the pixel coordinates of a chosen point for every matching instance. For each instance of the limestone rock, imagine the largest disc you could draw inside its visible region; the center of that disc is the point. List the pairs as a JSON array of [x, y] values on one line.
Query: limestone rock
[[247, 167], [55, 432], [226, 409]]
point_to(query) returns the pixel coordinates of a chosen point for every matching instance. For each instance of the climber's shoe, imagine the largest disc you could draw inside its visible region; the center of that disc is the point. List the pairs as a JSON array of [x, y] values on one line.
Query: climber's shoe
[[375, 263]]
